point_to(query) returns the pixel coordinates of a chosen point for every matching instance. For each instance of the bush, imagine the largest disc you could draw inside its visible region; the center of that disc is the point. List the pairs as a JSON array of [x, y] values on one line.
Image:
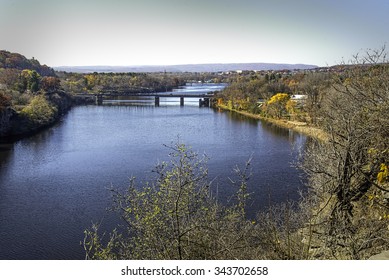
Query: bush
[[39, 110], [176, 217]]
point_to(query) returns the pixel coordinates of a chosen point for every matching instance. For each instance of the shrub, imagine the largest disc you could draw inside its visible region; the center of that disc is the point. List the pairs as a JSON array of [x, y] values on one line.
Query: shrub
[[176, 218], [39, 110]]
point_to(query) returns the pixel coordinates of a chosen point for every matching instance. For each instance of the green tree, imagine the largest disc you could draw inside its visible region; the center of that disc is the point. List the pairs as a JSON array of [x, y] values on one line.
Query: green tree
[[30, 80], [39, 110], [176, 217]]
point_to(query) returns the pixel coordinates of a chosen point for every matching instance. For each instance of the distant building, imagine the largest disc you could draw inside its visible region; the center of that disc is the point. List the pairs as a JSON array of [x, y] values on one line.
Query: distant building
[[299, 97]]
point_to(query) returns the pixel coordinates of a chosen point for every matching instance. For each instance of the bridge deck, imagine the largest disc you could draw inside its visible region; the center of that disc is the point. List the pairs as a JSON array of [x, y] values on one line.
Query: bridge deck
[[193, 95], [204, 98]]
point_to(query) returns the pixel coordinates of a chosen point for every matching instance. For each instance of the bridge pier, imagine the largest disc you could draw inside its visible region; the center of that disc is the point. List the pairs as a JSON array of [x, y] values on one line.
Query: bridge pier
[[181, 101], [99, 99], [204, 102], [156, 101]]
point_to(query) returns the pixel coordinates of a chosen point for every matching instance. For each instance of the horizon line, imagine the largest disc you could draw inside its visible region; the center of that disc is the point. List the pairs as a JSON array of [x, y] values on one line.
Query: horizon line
[[186, 64]]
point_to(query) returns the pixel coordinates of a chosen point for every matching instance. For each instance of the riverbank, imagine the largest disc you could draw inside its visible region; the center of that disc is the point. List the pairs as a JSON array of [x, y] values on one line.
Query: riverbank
[[44, 112], [300, 127]]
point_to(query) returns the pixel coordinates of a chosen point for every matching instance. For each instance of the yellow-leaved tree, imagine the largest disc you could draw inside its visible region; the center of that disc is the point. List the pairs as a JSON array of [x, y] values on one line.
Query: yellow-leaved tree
[[276, 106]]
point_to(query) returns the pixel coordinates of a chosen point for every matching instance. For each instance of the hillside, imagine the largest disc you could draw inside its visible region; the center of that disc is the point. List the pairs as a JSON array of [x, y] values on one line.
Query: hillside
[[31, 96], [17, 61]]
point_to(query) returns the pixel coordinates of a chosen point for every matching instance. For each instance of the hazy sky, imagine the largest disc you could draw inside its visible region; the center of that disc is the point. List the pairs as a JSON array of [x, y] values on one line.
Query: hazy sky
[[165, 32]]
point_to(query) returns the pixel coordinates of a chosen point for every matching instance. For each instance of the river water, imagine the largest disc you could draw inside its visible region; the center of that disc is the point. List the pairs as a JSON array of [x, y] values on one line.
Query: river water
[[54, 184]]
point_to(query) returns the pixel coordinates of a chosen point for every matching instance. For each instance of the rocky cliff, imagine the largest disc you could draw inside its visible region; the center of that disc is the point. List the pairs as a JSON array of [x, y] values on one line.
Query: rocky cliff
[[5, 121]]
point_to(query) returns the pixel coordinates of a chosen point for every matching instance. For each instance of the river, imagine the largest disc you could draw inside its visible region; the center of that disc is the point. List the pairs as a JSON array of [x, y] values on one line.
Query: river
[[54, 184]]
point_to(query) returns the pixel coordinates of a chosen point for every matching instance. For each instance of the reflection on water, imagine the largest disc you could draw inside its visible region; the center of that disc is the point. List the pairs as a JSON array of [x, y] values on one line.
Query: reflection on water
[[236, 117], [149, 101], [174, 100]]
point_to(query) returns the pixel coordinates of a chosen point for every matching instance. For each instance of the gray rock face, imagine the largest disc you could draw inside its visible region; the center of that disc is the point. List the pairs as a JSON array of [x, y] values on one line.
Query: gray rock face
[[5, 123]]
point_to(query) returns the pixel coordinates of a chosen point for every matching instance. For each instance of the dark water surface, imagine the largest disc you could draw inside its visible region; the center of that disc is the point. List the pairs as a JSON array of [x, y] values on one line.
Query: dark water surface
[[54, 184]]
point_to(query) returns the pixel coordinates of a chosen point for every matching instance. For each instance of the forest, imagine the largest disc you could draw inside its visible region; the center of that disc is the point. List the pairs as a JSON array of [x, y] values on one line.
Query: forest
[[31, 97]]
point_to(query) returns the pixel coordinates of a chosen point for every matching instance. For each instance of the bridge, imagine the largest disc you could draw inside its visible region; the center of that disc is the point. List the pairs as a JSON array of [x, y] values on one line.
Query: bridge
[[204, 98]]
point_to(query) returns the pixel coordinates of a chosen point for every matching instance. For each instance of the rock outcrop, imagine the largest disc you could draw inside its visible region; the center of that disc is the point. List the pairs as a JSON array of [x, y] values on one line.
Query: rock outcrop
[[5, 121]]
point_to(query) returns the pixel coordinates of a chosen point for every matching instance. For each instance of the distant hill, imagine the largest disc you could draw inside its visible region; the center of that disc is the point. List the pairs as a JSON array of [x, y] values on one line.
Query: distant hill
[[20, 62], [186, 68]]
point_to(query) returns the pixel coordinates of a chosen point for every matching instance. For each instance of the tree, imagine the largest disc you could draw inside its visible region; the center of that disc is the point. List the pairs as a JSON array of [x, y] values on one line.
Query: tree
[[5, 100], [50, 84], [39, 110], [243, 93], [276, 106], [314, 86], [176, 217], [344, 173], [91, 81], [30, 80], [10, 78]]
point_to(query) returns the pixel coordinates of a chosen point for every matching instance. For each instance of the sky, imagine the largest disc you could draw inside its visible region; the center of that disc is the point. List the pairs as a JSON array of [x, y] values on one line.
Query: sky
[[172, 32]]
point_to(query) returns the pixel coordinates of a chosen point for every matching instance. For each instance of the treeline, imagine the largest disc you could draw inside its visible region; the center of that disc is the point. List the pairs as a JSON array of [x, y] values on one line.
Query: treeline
[[34, 95], [76, 83], [343, 215], [282, 94]]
